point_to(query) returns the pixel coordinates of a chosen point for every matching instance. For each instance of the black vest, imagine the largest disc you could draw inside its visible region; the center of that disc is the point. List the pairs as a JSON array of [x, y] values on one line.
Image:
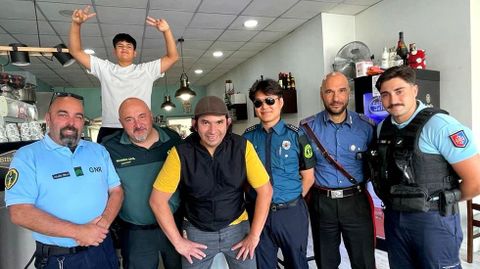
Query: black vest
[[403, 163], [212, 187]]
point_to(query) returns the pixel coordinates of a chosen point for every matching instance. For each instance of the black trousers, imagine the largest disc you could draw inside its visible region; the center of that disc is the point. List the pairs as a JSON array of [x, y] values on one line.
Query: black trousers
[[349, 217]]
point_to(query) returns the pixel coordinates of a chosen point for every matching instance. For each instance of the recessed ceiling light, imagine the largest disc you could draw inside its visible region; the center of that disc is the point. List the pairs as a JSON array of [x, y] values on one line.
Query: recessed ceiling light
[[89, 51], [66, 13], [217, 54], [250, 23], [198, 71]]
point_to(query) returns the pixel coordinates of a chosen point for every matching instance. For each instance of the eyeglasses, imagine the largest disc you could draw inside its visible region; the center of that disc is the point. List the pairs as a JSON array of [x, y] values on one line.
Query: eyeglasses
[[269, 101], [55, 95]]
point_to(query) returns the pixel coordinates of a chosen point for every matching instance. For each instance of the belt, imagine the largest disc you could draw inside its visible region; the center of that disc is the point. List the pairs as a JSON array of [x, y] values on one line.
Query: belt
[[45, 250], [134, 227], [340, 193], [274, 207]]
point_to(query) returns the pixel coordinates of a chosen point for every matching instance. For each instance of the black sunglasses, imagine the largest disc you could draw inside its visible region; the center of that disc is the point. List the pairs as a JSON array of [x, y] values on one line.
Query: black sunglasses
[[269, 101], [65, 94]]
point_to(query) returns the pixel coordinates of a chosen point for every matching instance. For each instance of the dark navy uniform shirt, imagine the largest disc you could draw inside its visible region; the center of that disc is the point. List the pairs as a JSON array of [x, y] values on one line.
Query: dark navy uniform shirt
[[344, 142], [284, 151]]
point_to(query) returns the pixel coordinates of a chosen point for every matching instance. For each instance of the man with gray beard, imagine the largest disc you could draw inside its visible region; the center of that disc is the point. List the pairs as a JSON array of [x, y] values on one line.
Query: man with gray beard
[[138, 153], [66, 191]]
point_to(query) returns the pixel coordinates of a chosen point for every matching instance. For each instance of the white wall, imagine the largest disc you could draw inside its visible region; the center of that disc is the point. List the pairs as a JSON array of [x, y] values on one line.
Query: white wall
[[441, 27], [338, 30], [475, 38]]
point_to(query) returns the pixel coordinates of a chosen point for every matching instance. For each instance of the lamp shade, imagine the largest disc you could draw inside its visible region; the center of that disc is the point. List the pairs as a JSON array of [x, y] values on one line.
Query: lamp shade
[[167, 104], [184, 92], [19, 58], [65, 59]]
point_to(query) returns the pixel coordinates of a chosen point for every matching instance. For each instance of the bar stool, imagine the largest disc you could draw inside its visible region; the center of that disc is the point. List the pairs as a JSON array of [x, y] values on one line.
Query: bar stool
[[471, 224]]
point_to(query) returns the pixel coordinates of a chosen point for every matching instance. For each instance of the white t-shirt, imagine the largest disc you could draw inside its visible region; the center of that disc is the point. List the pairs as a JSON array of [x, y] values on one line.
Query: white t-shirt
[[119, 83]]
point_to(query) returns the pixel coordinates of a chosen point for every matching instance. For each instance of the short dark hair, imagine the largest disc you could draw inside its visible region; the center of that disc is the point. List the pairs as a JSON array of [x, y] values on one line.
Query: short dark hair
[[267, 86], [124, 37], [404, 72]]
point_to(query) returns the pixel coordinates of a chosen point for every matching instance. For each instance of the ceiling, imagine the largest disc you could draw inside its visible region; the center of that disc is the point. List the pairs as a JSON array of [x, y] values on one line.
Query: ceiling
[[206, 26]]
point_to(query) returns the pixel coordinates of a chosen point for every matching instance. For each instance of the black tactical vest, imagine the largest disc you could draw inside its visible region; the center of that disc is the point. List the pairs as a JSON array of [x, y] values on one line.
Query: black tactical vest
[[403, 164], [212, 187]]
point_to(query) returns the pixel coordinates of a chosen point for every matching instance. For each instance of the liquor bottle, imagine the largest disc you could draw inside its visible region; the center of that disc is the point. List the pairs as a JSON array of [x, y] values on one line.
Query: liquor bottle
[[385, 56], [280, 83], [289, 85], [292, 83], [402, 50]]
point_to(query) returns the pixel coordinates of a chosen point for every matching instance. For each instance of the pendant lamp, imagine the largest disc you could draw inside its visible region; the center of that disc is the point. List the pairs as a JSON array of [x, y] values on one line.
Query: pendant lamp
[[184, 92]]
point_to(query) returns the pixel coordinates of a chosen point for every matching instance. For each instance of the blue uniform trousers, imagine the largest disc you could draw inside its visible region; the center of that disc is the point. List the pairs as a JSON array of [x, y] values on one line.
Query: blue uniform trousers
[[349, 217], [287, 229], [103, 256], [422, 240]]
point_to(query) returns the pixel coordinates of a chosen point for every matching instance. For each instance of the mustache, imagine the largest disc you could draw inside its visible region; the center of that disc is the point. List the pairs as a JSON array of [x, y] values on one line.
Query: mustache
[[69, 128], [394, 105]]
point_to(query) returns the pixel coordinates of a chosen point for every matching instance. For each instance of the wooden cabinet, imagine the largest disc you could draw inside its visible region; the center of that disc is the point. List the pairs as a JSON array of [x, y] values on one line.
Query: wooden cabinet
[[238, 111], [289, 101]]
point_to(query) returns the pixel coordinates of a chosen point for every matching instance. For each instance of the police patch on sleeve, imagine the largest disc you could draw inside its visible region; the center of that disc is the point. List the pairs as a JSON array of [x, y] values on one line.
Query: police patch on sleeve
[[308, 151], [459, 139], [11, 178]]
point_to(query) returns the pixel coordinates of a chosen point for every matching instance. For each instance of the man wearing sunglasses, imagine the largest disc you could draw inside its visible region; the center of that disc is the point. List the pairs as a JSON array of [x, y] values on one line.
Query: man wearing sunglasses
[[288, 158], [340, 205], [124, 79], [66, 191]]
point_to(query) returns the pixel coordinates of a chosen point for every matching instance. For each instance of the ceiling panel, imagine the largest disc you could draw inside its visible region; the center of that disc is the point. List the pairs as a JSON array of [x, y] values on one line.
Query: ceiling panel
[[285, 25], [268, 8], [237, 35], [178, 5], [262, 22], [115, 15], [308, 9], [223, 6], [347, 9]]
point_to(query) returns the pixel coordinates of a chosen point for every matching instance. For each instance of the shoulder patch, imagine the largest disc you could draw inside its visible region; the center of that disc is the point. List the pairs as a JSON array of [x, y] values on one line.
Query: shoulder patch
[[459, 139], [367, 119], [11, 178], [251, 128], [307, 120], [292, 127]]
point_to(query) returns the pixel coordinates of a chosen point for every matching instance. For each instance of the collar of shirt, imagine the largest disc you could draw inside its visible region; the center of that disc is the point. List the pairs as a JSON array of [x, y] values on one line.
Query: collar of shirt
[[162, 137], [278, 128], [420, 106], [326, 118], [52, 145]]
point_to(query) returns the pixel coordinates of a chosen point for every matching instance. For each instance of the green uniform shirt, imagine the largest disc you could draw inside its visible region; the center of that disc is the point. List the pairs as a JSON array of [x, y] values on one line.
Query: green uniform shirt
[[138, 167]]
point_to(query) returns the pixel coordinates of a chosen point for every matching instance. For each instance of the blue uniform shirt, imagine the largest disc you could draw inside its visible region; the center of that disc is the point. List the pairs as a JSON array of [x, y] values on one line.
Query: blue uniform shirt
[[344, 142], [70, 186], [444, 135], [290, 152]]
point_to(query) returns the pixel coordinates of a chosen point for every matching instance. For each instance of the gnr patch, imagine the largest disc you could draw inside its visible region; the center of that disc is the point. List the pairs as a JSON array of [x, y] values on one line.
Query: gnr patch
[[459, 139], [11, 178]]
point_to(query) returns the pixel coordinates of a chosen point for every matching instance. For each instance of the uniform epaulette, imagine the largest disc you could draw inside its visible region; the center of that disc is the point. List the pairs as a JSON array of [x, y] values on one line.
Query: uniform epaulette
[[307, 120], [292, 127], [367, 119], [251, 128]]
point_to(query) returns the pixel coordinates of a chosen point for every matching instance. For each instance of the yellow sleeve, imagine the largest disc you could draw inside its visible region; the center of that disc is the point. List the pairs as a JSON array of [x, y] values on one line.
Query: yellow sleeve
[[169, 176], [257, 176]]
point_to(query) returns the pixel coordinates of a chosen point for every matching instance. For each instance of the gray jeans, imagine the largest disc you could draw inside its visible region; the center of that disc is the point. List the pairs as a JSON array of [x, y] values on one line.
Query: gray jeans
[[218, 242]]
